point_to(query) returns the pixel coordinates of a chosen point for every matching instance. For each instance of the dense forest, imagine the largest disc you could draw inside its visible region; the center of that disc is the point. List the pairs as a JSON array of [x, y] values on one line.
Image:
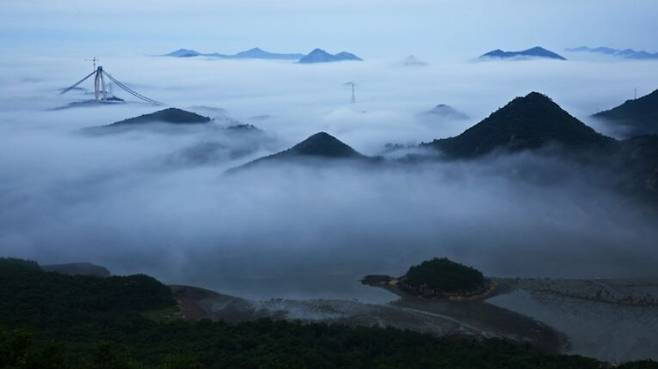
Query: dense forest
[[444, 275], [50, 320]]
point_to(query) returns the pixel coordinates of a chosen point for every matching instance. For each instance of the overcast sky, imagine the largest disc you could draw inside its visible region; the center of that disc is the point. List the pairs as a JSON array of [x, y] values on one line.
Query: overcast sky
[[372, 28]]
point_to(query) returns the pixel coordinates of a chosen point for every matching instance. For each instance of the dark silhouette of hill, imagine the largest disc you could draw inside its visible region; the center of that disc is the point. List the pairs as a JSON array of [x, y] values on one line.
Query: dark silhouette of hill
[[323, 145], [320, 146], [441, 275], [321, 56], [634, 117], [525, 123], [535, 52], [169, 115]]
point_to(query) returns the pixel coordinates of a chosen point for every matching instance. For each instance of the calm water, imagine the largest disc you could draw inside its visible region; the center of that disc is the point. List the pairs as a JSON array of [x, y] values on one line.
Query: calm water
[[608, 332]]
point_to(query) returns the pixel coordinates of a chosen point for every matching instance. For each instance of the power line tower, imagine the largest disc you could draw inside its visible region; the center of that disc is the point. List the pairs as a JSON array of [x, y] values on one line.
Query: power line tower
[[94, 60], [353, 87]]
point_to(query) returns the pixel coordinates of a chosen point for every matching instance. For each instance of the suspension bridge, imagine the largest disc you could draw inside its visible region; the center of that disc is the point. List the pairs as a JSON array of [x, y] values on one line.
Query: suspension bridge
[[101, 93]]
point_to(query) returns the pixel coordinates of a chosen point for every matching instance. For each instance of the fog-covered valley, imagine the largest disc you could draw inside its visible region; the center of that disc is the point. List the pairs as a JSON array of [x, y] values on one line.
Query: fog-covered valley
[[158, 200]]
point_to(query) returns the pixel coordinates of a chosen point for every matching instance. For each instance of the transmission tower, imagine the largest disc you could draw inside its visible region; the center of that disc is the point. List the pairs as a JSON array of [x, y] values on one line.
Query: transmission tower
[[353, 87], [93, 60]]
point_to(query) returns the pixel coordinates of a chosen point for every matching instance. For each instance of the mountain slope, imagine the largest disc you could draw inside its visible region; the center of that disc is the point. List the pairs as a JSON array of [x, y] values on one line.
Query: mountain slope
[[535, 52], [321, 56], [525, 123], [635, 117], [169, 115]]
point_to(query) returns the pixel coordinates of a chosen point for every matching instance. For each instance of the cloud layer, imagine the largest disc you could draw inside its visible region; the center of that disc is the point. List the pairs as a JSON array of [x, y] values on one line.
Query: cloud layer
[[140, 202]]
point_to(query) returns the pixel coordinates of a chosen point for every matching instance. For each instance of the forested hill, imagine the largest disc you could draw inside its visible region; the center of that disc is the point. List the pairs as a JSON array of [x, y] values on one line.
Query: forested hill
[[55, 321]]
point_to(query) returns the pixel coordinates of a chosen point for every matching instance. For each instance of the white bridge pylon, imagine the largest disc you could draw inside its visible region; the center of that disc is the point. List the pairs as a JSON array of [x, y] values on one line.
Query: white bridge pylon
[[100, 92]]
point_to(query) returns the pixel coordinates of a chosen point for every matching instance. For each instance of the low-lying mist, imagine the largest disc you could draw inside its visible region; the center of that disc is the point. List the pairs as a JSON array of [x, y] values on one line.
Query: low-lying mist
[[158, 200]]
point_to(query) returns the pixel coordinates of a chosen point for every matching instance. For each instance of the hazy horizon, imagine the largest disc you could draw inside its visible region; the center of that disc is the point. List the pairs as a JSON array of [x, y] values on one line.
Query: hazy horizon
[[437, 30]]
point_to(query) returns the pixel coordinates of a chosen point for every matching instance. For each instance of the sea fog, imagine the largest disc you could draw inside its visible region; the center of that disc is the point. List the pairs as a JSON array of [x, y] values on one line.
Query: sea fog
[[156, 201]]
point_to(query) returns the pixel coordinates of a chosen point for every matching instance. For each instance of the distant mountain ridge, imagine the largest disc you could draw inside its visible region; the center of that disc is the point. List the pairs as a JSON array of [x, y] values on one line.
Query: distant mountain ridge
[[525, 123], [257, 53], [321, 56], [618, 53], [635, 117], [315, 56], [254, 53], [535, 52]]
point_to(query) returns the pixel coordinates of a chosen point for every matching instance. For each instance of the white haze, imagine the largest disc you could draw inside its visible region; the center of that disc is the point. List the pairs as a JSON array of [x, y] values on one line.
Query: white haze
[[133, 203]]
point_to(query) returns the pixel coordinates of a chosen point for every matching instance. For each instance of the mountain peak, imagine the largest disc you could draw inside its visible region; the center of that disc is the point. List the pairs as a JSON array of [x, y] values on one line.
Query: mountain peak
[[534, 52], [527, 122], [318, 51], [169, 115], [537, 97], [324, 145], [322, 56], [183, 53], [320, 145]]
